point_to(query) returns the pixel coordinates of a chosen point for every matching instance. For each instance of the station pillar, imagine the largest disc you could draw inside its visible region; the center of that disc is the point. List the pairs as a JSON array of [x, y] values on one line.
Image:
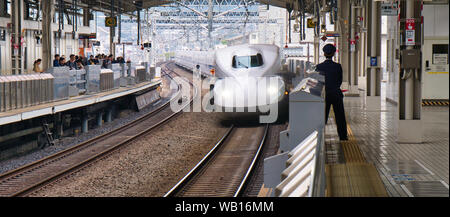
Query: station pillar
[[343, 42], [410, 76], [47, 11], [16, 36], [373, 78]]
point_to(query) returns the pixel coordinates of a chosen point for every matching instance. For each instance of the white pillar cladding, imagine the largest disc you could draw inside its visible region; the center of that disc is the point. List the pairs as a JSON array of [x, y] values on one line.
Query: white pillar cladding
[[410, 98], [344, 45], [374, 50]]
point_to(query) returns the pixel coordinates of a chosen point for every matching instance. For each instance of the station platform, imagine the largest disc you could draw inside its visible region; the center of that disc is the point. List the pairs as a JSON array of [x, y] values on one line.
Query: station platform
[[372, 163], [22, 114]]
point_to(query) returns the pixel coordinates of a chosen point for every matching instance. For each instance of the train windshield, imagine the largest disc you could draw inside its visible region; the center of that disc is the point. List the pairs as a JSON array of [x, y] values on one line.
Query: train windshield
[[247, 61]]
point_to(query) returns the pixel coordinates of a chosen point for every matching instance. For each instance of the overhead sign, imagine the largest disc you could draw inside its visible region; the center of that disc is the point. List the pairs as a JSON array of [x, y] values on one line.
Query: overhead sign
[[389, 9], [111, 21], [331, 35], [310, 23]]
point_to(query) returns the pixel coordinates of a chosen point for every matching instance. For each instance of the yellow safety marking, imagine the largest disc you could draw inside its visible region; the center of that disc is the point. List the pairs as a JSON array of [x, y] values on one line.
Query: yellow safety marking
[[351, 150], [435, 103], [433, 73], [356, 177]]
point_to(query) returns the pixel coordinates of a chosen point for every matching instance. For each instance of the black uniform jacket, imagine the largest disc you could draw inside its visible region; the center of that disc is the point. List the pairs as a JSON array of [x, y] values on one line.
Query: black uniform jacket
[[333, 75]]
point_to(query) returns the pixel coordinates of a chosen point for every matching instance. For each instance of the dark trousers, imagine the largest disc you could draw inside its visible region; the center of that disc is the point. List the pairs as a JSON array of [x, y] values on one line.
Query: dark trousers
[[335, 98]]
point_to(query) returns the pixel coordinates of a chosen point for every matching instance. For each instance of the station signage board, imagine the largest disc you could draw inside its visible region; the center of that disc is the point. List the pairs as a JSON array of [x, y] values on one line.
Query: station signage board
[[111, 21], [389, 9], [410, 37], [410, 24], [373, 61], [310, 23]]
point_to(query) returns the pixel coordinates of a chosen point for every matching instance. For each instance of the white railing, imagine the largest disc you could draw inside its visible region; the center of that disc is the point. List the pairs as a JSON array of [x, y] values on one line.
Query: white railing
[[297, 178]]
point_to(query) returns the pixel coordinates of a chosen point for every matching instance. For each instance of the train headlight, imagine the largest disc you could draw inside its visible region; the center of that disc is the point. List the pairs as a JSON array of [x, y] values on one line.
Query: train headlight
[[226, 93], [272, 91]]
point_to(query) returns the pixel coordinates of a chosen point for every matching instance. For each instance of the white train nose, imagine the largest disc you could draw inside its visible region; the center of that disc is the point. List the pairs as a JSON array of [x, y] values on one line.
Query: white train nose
[[248, 93]]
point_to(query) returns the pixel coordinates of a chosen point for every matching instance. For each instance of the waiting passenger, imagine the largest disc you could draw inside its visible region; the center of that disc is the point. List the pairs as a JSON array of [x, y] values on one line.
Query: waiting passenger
[[56, 61], [79, 65], [62, 61], [36, 66], [72, 64]]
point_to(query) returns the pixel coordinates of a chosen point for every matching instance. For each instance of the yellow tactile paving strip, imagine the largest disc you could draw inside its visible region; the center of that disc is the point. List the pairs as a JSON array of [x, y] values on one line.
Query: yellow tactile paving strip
[[354, 180], [355, 177], [351, 150]]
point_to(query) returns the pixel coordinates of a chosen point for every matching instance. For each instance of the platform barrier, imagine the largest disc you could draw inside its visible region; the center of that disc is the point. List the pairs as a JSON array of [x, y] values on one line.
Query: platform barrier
[[21, 91], [300, 168], [106, 80]]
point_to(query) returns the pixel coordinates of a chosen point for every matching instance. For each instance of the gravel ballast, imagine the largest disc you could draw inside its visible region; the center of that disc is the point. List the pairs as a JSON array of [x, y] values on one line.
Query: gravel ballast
[[149, 166]]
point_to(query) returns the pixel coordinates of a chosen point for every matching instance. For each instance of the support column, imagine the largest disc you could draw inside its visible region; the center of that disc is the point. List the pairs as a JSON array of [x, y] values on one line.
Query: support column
[[86, 16], [363, 48], [210, 22], [47, 11], [109, 115], [316, 50], [373, 79], [16, 45], [3, 8], [352, 75], [100, 119], [112, 48], [58, 121], [343, 42], [84, 122], [410, 90]]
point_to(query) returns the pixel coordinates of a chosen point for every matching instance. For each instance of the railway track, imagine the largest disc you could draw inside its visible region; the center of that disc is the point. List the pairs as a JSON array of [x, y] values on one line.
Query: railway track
[[29, 178], [225, 170]]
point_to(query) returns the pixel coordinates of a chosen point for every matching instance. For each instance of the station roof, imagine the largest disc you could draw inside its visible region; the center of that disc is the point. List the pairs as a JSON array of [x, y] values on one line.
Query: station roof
[[127, 6]]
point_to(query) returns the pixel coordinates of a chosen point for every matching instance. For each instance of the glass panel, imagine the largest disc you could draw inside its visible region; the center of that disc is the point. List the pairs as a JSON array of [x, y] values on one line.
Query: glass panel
[[247, 61]]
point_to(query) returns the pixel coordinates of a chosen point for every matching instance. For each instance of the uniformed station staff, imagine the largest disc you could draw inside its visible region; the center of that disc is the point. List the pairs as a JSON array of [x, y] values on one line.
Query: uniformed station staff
[[333, 80]]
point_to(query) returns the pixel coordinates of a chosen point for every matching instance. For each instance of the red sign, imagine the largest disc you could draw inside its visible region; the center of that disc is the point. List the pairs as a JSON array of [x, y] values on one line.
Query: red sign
[[410, 24]]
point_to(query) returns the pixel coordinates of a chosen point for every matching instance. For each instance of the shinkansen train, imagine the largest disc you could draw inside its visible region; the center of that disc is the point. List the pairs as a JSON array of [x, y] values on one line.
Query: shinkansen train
[[249, 80]]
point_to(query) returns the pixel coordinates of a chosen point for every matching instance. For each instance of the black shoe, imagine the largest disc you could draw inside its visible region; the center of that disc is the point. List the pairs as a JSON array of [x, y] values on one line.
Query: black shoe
[[344, 139]]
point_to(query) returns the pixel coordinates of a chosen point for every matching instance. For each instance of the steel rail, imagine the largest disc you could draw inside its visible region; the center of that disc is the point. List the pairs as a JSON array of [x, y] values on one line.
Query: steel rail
[[206, 160], [7, 178]]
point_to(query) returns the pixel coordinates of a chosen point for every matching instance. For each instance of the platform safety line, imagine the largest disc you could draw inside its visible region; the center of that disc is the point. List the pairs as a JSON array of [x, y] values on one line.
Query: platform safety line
[[406, 190], [444, 183], [425, 168]]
